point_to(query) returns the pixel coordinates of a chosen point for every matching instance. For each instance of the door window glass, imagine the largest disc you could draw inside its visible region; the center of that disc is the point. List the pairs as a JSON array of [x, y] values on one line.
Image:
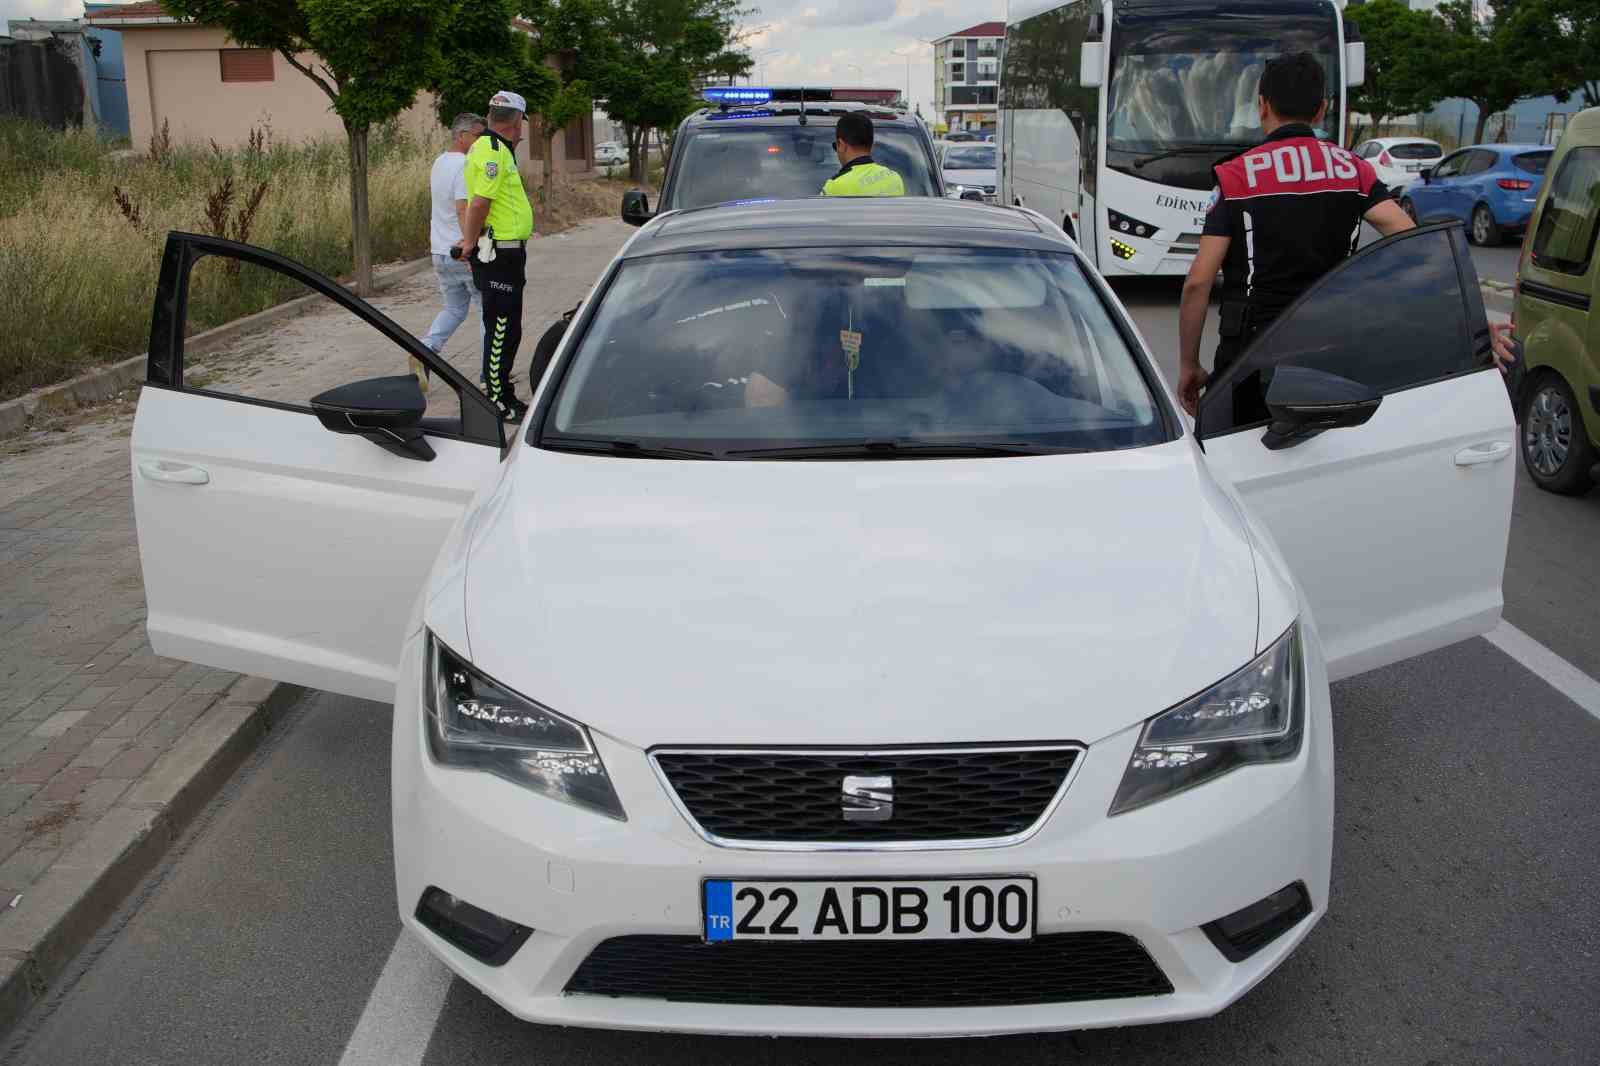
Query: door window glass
[[1418, 333], [1565, 238], [313, 341], [1452, 166], [1478, 163]]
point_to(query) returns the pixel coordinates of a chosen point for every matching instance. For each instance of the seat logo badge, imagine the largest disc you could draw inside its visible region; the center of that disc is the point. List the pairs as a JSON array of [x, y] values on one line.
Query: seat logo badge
[[867, 799]]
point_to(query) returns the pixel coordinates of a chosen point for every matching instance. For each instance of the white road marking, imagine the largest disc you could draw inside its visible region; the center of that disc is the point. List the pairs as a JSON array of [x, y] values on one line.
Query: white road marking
[[1565, 678], [398, 1021]]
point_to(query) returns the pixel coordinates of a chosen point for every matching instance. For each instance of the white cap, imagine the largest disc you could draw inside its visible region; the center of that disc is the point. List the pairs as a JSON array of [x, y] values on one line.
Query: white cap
[[508, 99]]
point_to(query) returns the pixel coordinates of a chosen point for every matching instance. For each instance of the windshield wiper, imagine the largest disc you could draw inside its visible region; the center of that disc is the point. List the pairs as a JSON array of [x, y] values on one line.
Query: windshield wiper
[[895, 449], [1188, 149], [631, 449]]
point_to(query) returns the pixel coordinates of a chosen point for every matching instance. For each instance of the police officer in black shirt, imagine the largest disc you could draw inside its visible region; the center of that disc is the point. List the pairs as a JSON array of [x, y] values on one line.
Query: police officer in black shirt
[[1283, 214]]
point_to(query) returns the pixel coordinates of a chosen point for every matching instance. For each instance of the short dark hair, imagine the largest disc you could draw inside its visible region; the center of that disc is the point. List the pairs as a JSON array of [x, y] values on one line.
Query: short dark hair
[[1294, 85], [504, 114], [854, 129]]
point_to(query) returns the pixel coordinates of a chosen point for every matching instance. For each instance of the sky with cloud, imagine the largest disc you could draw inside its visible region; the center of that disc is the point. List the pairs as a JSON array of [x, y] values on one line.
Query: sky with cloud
[[816, 42], [858, 42]]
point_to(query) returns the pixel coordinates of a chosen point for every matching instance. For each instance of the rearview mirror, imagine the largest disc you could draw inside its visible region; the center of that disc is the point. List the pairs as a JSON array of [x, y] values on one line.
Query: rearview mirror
[[636, 207], [1090, 65], [1304, 402], [386, 411]]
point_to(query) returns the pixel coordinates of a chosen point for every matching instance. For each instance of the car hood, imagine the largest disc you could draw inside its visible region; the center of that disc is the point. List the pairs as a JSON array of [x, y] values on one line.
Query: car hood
[[1059, 597], [969, 177]]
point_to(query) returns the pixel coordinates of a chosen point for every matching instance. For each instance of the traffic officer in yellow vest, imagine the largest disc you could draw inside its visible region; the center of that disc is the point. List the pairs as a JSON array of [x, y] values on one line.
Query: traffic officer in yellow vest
[[858, 174], [495, 242]]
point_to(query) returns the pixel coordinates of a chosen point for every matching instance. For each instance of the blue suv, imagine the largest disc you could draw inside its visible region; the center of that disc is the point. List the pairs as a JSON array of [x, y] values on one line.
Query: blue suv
[[1490, 187]]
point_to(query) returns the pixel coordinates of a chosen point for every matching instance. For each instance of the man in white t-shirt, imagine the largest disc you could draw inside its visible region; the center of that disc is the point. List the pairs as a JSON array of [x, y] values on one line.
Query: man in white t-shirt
[[448, 183]]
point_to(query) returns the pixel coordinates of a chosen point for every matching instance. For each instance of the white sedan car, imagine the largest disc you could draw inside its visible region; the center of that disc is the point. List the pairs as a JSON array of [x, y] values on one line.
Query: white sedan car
[[1400, 161], [855, 639]]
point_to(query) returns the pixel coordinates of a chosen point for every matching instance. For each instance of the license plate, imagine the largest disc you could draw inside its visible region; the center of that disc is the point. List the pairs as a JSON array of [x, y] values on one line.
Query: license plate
[[998, 908]]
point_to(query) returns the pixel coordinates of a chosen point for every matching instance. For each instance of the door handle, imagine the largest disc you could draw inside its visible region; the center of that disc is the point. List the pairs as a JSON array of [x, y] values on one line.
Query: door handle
[[176, 473], [1491, 452]]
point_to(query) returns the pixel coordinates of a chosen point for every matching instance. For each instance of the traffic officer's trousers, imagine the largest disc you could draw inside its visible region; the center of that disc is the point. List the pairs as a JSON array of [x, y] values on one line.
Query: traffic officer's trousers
[[1249, 392], [501, 283]]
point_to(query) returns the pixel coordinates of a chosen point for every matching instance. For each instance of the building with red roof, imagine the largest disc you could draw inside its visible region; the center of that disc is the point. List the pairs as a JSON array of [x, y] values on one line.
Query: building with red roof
[[966, 77]]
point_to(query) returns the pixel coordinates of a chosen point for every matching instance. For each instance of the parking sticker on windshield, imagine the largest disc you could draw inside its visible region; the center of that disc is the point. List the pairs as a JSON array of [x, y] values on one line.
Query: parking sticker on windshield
[[850, 341]]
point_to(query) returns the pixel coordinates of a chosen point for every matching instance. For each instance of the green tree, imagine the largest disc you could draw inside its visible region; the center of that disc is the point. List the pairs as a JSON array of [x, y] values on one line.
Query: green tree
[[1484, 59], [481, 54], [570, 103], [648, 56], [570, 32], [1401, 78], [1559, 45]]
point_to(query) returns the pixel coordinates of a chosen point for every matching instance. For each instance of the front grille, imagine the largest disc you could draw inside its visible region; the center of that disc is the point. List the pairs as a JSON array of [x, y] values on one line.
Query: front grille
[[1057, 968], [964, 794]]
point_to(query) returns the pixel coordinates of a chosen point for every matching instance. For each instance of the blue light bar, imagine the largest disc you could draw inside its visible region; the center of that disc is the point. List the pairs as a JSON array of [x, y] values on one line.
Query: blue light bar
[[735, 94]]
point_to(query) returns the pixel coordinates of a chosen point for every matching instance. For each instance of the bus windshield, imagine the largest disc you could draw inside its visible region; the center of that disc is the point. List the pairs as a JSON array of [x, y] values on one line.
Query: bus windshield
[[1184, 81]]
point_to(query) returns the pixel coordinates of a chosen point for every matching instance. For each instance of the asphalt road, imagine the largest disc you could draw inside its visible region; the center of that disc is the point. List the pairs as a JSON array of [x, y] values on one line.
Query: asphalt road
[[1465, 928]]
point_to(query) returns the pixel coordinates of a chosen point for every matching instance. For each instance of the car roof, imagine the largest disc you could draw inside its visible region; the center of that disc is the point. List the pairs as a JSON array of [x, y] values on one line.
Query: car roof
[[850, 221], [1513, 149], [1404, 140]]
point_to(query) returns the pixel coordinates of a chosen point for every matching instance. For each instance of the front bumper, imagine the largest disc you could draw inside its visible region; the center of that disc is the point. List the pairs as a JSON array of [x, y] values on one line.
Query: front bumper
[[1156, 874]]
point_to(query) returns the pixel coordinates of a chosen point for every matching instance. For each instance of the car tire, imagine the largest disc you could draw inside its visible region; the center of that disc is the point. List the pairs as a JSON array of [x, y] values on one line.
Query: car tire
[[1555, 445], [1409, 208], [1483, 229]]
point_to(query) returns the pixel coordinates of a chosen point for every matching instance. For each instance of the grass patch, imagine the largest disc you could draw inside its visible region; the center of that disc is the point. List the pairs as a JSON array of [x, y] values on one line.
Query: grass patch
[[82, 228]]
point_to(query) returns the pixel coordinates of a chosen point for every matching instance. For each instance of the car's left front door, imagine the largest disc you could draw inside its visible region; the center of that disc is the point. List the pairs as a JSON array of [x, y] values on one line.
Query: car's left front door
[[271, 545]]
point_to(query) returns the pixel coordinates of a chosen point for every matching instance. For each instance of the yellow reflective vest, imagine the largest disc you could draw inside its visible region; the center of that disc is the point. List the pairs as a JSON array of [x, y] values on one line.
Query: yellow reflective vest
[[863, 177]]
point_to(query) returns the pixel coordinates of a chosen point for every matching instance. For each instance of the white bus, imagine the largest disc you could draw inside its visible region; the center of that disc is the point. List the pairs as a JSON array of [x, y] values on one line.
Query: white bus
[[1113, 112]]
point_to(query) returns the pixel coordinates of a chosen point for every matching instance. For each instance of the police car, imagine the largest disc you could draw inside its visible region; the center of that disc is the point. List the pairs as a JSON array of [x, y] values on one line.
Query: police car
[[777, 144]]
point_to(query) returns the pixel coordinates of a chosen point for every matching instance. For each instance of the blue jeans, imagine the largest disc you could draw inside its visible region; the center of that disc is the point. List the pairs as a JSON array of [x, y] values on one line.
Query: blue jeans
[[460, 295]]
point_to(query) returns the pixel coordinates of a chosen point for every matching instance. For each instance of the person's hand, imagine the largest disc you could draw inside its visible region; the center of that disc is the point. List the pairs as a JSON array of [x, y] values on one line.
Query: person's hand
[[466, 249], [1505, 357], [1192, 377]]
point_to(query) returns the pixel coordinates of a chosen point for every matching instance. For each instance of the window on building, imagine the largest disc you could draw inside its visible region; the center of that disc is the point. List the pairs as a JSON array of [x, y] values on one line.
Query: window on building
[[246, 64]]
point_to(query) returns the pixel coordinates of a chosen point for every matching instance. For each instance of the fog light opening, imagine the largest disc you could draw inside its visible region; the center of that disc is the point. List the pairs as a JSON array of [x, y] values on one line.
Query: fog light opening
[[486, 937], [1246, 931]]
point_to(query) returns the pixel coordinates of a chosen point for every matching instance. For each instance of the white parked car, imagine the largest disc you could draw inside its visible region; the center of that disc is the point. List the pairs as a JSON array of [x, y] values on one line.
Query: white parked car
[[854, 639], [1400, 161], [969, 170]]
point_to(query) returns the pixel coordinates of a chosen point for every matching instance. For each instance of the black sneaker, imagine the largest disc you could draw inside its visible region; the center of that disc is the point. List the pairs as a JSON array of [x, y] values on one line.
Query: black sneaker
[[514, 410]]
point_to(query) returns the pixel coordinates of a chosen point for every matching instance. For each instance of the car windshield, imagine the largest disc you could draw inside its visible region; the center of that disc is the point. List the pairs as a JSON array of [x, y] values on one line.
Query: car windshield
[[975, 157], [1414, 151], [1532, 162], [1182, 80], [891, 352], [783, 163]]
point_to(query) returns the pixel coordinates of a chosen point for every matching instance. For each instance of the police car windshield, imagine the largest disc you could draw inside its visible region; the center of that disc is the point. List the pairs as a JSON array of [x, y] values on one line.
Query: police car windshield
[[1191, 79], [782, 162], [875, 352], [973, 158]]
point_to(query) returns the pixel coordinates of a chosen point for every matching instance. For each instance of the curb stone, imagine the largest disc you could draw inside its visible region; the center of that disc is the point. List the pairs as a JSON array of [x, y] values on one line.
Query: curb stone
[[102, 383], [87, 884]]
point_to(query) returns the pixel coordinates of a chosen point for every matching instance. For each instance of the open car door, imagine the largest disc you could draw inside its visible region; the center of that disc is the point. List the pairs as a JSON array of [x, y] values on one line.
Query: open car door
[[288, 514], [1384, 472]]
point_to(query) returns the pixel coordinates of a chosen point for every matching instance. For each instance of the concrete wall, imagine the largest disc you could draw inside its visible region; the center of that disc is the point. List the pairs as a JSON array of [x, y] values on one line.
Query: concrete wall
[[175, 76]]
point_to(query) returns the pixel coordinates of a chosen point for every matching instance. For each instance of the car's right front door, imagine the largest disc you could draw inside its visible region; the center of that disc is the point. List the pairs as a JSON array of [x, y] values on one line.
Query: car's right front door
[[1395, 529]]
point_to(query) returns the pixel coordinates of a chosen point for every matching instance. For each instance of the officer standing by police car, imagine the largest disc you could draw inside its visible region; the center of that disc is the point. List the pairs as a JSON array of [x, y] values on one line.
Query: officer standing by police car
[[1283, 214], [495, 242], [858, 174]]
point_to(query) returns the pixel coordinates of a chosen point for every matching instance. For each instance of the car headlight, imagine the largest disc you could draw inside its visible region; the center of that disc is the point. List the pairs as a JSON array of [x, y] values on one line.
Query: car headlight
[[1256, 715], [476, 723]]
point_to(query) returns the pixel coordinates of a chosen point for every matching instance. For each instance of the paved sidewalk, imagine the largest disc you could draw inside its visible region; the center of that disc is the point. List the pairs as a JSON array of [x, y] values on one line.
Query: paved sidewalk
[[106, 749]]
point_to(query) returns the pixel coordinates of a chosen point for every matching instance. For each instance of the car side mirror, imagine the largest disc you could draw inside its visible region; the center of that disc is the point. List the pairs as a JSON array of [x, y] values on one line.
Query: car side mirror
[[636, 207], [1426, 174], [386, 411], [1304, 402]]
